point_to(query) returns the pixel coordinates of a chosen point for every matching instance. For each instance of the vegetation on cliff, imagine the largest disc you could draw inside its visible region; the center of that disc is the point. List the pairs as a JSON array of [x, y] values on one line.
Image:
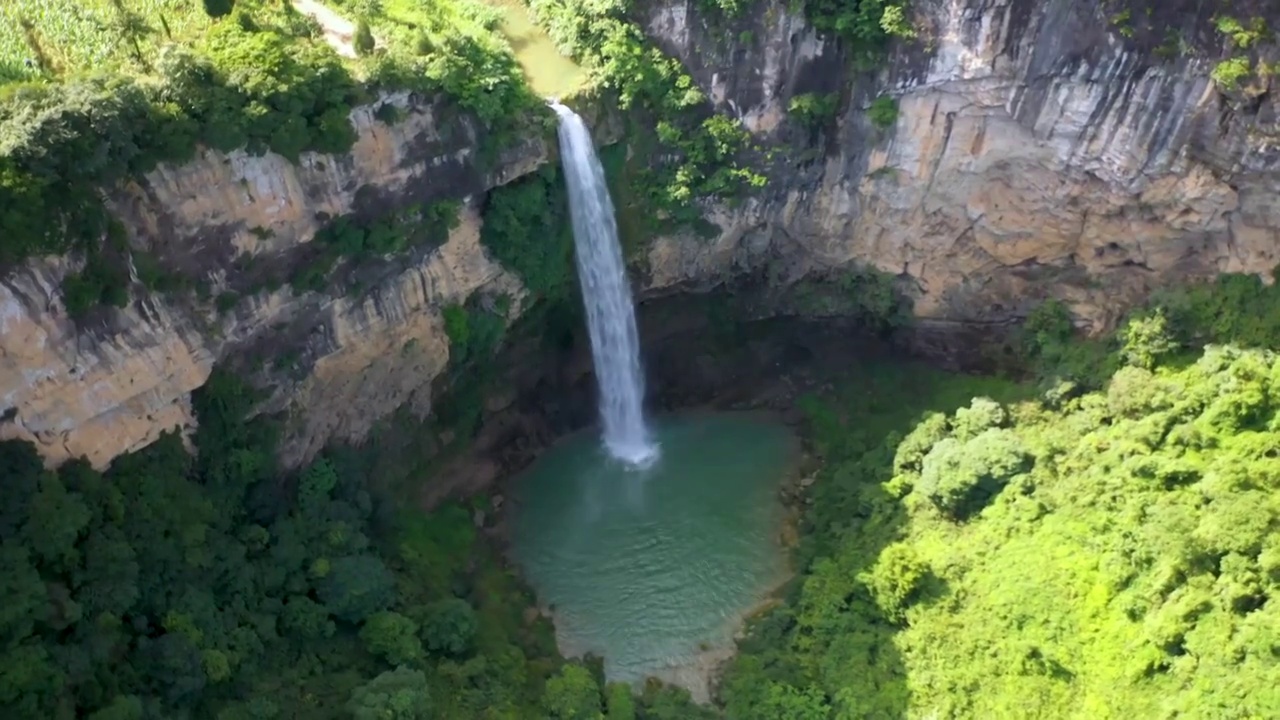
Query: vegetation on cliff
[[262, 78], [866, 26], [1102, 544], [173, 585], [689, 152]]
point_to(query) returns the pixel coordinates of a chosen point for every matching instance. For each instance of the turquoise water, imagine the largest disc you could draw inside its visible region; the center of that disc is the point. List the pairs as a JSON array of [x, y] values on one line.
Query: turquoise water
[[653, 568]]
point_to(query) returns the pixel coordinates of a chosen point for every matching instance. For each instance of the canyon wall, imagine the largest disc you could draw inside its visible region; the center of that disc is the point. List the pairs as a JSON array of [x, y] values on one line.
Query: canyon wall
[[335, 361], [1038, 150]]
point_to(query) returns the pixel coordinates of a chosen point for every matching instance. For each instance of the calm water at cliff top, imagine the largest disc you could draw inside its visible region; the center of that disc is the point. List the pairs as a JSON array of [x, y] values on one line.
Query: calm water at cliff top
[[651, 568], [549, 73]]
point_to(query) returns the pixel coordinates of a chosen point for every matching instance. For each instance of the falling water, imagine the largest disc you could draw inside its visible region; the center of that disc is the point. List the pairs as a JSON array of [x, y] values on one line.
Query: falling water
[[611, 321]]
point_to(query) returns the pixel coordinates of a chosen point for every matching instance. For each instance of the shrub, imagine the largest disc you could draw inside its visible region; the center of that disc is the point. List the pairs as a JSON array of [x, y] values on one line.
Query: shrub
[[363, 41], [356, 587], [813, 110], [866, 25], [1047, 329], [982, 414], [218, 8], [865, 293], [449, 626], [392, 636], [698, 153], [458, 331], [1147, 339], [883, 112], [919, 441], [619, 703], [526, 228], [896, 579], [959, 477], [99, 283], [1228, 73]]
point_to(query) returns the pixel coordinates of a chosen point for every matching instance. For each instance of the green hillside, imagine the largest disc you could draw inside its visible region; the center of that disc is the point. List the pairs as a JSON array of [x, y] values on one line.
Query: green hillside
[[978, 548]]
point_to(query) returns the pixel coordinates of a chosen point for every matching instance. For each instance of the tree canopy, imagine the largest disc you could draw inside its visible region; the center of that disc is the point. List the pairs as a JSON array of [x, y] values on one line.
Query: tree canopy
[[1067, 554]]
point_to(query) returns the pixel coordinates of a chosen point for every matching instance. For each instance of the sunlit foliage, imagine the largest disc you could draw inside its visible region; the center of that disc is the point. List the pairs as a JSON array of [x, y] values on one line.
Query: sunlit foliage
[[1108, 555], [694, 153]]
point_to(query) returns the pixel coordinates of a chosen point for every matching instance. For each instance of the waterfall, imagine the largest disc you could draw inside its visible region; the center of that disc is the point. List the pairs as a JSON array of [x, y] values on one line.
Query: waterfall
[[611, 320]]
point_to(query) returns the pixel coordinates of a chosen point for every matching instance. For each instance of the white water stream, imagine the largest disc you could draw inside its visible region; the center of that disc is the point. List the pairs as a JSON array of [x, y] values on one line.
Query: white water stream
[[606, 294]]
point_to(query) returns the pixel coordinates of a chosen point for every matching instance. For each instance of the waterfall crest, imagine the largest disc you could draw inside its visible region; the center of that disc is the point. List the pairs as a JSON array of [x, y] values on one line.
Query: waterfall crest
[[606, 295]]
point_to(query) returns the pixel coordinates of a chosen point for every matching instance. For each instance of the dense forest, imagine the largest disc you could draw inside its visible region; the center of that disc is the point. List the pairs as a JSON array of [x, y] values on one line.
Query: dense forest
[[1091, 532], [1101, 542], [208, 585]]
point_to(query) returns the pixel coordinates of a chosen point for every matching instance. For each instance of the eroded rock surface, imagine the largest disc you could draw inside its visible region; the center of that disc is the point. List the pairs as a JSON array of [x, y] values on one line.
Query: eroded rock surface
[[1034, 154], [115, 382]]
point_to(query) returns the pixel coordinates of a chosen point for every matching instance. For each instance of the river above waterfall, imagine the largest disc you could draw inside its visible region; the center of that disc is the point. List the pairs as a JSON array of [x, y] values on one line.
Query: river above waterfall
[[654, 568]]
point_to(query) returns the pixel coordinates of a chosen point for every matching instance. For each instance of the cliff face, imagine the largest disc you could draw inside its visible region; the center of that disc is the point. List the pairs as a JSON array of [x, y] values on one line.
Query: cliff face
[[113, 383], [1036, 151]]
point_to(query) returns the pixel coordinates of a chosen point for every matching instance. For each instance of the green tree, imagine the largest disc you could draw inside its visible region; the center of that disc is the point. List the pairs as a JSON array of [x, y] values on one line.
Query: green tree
[[982, 414], [218, 8], [30, 683], [307, 618], [23, 592], [315, 488], [108, 581], [174, 664], [392, 636], [1147, 339], [357, 586], [363, 41], [22, 469], [449, 626], [400, 694], [619, 702], [896, 579], [123, 707], [785, 702], [960, 477], [572, 694], [526, 228], [57, 519]]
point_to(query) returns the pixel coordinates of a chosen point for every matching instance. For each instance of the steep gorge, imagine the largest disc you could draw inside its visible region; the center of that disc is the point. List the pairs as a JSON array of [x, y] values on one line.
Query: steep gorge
[[1036, 151]]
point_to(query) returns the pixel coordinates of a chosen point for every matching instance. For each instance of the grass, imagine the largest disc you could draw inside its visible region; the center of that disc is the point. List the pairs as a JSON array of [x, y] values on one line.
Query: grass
[[80, 35], [76, 36], [408, 22]]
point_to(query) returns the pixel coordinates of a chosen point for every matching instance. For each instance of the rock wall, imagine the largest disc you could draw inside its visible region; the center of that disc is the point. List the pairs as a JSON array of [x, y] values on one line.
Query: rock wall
[[1036, 152], [114, 382]]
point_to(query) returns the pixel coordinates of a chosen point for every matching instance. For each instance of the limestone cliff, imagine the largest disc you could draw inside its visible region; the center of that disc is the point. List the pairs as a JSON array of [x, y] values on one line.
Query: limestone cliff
[[105, 386], [1039, 149]]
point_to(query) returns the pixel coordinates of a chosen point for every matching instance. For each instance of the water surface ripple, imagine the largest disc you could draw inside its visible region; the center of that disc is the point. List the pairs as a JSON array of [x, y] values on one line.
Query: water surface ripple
[[652, 567]]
